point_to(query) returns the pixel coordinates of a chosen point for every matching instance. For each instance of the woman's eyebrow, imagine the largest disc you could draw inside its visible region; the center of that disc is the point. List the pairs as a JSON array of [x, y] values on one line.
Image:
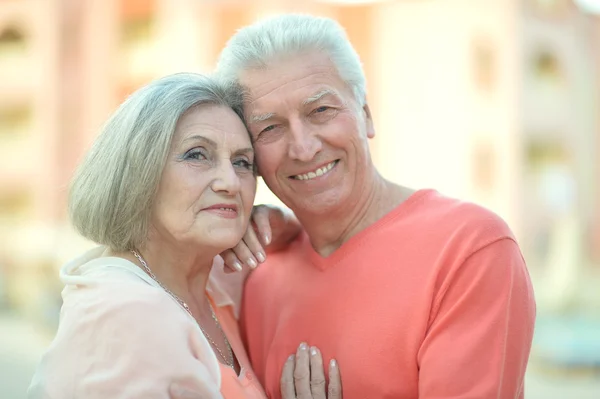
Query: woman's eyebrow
[[200, 138]]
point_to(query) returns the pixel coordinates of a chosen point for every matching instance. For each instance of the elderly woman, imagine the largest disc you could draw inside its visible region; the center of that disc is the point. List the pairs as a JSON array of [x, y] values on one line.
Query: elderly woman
[[166, 187]]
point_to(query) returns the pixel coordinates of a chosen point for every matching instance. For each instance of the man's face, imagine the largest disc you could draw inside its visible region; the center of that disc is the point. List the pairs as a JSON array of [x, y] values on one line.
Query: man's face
[[310, 134]]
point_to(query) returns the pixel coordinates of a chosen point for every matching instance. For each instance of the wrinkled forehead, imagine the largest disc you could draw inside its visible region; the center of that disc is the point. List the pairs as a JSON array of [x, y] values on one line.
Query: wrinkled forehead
[[293, 81], [214, 123]]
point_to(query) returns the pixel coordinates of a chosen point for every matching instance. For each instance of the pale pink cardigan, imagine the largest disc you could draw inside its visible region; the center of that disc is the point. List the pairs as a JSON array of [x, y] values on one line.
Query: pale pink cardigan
[[121, 336]]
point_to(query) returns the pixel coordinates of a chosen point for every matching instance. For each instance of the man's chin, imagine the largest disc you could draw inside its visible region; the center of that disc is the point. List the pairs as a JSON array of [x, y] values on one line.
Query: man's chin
[[321, 204]]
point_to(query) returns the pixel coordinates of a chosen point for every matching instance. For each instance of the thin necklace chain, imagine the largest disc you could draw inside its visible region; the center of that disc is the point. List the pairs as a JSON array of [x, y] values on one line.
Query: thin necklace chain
[[228, 360]]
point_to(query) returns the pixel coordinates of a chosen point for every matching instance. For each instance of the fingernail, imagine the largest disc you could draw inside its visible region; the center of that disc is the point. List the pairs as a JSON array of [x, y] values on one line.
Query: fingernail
[[333, 363], [267, 239], [260, 256], [303, 346], [251, 262], [292, 357], [237, 265], [313, 351]]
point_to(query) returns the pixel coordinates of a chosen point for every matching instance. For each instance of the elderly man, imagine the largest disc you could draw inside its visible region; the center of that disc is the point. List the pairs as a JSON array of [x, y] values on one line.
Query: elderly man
[[416, 295]]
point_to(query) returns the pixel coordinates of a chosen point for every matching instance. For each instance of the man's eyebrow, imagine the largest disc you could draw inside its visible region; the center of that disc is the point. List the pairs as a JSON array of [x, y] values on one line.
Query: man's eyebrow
[[244, 151], [318, 95], [315, 97], [261, 118]]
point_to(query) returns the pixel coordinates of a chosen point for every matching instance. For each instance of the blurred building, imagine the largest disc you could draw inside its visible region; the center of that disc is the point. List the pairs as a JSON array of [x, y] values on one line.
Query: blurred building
[[494, 101], [64, 66], [560, 100]]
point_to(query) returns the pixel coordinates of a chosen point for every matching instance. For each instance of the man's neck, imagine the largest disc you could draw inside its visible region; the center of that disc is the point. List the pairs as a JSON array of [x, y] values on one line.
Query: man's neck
[[328, 232]]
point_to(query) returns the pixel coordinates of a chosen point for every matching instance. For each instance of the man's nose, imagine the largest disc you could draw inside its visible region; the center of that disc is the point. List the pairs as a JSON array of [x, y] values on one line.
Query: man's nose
[[304, 142]]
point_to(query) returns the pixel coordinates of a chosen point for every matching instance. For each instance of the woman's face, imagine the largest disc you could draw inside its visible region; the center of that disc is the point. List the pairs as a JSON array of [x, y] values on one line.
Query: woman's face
[[207, 188]]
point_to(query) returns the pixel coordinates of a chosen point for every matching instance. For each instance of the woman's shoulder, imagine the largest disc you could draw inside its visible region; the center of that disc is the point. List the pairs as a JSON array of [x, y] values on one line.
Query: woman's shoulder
[[111, 317], [111, 289], [93, 268]]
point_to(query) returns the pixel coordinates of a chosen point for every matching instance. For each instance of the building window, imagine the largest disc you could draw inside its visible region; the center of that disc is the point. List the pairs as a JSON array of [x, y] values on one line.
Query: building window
[[137, 23], [15, 205], [484, 167], [13, 42], [551, 6], [548, 75], [137, 40], [136, 31], [484, 65], [546, 68], [15, 121]]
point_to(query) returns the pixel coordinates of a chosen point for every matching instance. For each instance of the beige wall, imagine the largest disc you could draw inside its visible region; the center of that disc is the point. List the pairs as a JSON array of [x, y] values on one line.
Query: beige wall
[[431, 113]]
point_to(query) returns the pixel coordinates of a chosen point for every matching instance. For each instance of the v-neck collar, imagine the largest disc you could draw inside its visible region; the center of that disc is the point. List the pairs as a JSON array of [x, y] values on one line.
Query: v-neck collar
[[355, 242]]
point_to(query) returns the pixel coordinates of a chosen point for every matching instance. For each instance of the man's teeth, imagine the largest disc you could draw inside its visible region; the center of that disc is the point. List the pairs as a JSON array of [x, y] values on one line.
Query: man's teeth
[[316, 173]]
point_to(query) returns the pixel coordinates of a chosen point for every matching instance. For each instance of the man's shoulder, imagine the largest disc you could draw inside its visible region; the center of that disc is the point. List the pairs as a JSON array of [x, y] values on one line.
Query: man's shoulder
[[446, 218], [461, 213]]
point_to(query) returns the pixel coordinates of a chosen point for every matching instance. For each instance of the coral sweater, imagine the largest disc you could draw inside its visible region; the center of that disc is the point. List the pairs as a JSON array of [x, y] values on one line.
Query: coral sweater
[[432, 301]]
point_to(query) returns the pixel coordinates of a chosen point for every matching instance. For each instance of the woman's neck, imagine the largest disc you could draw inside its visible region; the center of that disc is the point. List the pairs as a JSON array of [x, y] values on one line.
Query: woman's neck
[[183, 272]]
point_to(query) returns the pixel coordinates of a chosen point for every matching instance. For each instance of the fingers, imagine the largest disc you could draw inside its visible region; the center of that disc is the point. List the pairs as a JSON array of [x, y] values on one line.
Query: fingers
[[302, 373], [260, 217], [335, 381], [317, 374], [232, 263], [248, 251], [288, 391], [303, 376]]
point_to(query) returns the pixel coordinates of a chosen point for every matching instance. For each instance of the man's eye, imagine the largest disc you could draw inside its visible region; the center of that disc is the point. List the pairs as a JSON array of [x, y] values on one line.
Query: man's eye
[[242, 163], [321, 109], [268, 128]]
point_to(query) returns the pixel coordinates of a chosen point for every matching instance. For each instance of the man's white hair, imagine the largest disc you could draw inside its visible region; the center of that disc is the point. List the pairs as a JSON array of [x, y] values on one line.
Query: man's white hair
[[290, 34]]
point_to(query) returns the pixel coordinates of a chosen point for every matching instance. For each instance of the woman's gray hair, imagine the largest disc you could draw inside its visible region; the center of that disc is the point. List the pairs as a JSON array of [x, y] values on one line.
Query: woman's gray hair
[[113, 189], [255, 45]]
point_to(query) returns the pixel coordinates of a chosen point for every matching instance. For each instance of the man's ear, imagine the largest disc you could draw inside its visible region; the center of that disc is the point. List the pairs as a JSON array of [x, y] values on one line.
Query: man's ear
[[369, 121]]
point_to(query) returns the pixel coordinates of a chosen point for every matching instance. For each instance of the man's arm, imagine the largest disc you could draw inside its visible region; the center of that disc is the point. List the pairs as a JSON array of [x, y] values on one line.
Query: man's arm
[[280, 225], [481, 327]]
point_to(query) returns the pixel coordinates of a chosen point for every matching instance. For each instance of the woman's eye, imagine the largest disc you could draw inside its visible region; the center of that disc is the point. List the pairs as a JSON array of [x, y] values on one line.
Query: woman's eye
[[195, 153]]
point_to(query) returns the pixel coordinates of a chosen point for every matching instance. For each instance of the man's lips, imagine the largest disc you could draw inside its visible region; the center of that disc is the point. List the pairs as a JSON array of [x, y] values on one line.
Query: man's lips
[[317, 172]]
